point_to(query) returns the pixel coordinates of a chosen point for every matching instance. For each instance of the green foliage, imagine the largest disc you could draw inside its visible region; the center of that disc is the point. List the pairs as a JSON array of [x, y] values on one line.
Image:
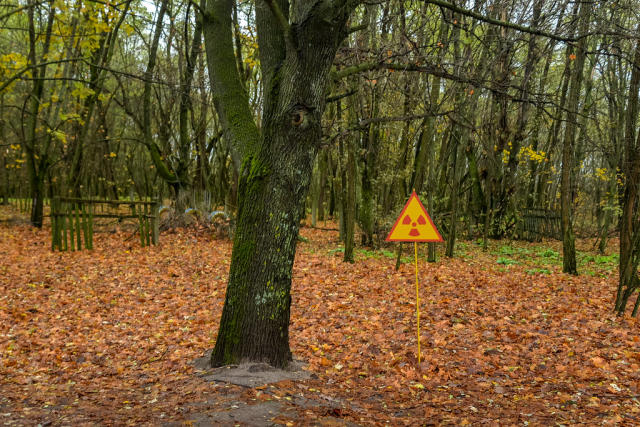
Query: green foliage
[[506, 250], [375, 254], [549, 253], [506, 261], [603, 265], [534, 271], [612, 259]]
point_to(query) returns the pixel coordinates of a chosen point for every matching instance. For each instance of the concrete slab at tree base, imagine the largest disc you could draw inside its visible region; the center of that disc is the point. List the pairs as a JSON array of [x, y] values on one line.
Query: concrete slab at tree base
[[250, 374], [235, 410]]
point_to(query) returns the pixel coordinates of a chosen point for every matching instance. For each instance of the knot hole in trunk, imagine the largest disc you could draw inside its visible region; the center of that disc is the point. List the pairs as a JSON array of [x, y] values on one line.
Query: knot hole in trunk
[[300, 116]]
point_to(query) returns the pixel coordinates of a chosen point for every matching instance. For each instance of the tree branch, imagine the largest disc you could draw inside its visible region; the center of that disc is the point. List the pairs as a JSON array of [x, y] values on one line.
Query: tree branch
[[284, 24], [229, 95], [435, 70], [357, 28], [366, 122], [500, 23], [18, 10], [17, 75], [335, 98]]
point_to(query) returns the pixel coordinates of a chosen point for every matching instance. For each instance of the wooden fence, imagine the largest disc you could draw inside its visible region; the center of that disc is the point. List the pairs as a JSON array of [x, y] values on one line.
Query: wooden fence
[[73, 219], [538, 223]]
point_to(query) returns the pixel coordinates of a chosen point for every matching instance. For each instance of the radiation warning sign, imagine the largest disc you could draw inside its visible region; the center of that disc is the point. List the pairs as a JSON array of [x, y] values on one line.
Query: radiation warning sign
[[414, 224]]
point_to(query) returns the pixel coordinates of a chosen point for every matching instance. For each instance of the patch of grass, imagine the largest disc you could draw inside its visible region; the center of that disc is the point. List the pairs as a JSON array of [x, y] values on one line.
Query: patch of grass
[[367, 253], [512, 251], [387, 253], [607, 259], [548, 253], [606, 263], [524, 251], [546, 256], [506, 250], [533, 271], [506, 261]]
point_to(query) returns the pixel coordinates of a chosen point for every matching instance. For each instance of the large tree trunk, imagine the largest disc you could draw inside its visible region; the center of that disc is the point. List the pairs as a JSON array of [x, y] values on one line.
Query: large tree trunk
[[276, 163]]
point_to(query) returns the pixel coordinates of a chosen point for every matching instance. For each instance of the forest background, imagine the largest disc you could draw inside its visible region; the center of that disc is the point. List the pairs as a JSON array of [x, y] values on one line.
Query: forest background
[[486, 109]]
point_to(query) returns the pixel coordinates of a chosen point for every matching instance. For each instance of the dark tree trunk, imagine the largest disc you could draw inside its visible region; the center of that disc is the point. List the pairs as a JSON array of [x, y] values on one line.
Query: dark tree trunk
[[350, 203], [569, 264], [4, 174], [629, 281], [37, 154], [276, 163]]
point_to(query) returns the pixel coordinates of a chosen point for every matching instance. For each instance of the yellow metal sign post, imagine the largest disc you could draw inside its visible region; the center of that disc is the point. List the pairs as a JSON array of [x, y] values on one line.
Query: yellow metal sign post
[[414, 225]]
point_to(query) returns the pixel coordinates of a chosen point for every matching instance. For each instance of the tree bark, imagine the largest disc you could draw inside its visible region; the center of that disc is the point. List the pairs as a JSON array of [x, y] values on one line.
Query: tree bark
[[569, 264], [629, 281], [276, 163], [37, 156]]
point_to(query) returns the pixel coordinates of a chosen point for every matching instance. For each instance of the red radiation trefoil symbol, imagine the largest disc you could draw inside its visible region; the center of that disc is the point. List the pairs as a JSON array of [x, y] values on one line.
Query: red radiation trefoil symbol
[[414, 231]]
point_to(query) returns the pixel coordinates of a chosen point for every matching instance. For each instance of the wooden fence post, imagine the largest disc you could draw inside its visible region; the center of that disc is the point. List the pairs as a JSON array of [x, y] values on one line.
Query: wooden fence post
[[65, 226], [90, 226], [72, 229], [155, 229], [54, 227], [78, 226]]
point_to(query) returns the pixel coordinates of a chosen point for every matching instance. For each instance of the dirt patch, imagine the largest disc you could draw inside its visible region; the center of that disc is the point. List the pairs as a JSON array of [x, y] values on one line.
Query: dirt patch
[[249, 374], [264, 401], [260, 414]]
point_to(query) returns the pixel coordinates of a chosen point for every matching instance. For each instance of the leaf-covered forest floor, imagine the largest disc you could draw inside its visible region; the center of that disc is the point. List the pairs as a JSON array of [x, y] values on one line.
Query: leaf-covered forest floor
[[108, 336]]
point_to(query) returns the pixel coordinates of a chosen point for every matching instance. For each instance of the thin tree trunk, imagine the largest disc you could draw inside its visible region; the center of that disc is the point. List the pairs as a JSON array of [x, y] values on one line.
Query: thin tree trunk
[[350, 208], [37, 157], [569, 264], [629, 224]]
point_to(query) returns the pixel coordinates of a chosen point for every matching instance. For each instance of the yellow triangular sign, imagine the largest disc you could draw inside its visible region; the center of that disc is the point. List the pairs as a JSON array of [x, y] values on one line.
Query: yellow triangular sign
[[414, 224]]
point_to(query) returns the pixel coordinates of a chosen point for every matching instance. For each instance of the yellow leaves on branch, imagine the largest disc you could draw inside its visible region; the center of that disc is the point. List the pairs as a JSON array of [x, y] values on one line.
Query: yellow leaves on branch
[[72, 117], [59, 135], [530, 154], [602, 174], [80, 91], [13, 61]]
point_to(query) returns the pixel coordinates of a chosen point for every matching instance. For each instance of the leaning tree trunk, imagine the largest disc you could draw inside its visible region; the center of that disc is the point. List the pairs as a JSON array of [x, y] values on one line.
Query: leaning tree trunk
[[276, 163]]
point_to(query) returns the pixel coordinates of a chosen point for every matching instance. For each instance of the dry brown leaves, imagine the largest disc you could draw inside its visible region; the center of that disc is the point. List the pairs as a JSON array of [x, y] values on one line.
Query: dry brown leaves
[[108, 336]]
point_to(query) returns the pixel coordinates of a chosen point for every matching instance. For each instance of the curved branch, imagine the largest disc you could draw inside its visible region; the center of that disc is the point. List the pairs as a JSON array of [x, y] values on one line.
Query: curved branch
[[505, 24], [229, 95]]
